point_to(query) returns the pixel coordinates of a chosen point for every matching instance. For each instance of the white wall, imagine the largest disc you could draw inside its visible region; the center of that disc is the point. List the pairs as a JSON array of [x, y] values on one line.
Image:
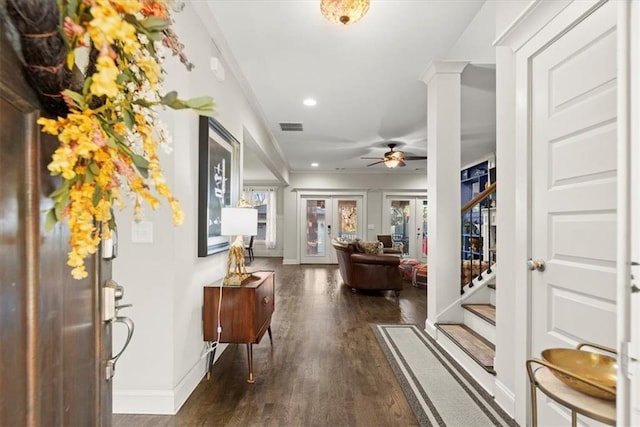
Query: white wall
[[164, 279], [371, 183], [508, 11], [475, 43]]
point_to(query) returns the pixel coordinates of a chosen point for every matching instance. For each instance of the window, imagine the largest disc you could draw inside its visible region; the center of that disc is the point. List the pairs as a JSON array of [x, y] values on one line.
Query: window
[[264, 200]]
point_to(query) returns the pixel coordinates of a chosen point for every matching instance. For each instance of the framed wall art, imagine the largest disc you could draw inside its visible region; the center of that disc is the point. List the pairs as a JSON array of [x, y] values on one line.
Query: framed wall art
[[218, 183]]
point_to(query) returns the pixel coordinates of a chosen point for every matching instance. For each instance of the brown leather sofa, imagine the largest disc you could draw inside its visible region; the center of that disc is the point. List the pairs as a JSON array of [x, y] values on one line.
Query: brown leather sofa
[[363, 271]]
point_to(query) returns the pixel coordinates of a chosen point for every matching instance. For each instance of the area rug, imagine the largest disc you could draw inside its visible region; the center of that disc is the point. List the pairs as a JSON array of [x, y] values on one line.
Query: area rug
[[437, 389]]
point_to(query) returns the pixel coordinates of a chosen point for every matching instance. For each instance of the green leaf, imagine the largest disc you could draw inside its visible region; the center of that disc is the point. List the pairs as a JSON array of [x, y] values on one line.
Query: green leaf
[[208, 111], [72, 7], [200, 102], [143, 103], [141, 163], [169, 97], [76, 97], [60, 191], [154, 23], [93, 167], [129, 119], [59, 208], [123, 77], [87, 85], [50, 220], [89, 176], [97, 195]]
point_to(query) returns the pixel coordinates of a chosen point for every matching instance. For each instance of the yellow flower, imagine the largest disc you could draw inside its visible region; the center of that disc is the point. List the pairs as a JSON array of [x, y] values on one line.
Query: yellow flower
[[63, 162], [96, 148], [128, 6], [104, 80], [151, 70], [49, 126]]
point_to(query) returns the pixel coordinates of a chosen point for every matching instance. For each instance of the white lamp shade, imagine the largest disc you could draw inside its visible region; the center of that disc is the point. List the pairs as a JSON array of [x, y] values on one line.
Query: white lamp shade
[[239, 222]]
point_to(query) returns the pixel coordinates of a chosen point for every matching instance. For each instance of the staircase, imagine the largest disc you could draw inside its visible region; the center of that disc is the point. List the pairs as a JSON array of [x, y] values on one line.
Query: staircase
[[471, 342]]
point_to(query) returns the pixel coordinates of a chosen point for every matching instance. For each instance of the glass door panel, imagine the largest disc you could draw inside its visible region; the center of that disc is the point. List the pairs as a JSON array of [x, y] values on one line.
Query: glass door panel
[[316, 227], [405, 218], [347, 211], [399, 224], [421, 232]]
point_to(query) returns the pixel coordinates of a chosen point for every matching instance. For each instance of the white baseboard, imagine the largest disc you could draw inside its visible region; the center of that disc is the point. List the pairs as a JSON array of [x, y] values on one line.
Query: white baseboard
[[162, 402], [290, 261], [185, 387], [430, 329], [505, 398], [158, 402]]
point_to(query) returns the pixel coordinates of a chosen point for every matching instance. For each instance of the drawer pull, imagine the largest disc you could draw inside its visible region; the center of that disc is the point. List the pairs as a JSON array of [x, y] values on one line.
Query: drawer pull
[[265, 300]]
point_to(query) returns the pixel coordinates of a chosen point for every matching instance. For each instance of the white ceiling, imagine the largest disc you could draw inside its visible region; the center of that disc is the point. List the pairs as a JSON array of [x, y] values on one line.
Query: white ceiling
[[365, 77]]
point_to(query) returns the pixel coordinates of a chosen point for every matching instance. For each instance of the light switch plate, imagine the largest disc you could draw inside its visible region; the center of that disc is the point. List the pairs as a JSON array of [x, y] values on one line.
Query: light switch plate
[[142, 232], [371, 226]]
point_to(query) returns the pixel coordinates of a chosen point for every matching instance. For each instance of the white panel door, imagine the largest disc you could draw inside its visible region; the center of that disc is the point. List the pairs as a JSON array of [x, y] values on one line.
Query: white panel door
[[573, 131]]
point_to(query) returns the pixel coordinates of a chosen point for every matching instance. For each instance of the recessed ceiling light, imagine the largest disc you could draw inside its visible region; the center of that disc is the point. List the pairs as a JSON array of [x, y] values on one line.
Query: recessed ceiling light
[[310, 102], [314, 165]]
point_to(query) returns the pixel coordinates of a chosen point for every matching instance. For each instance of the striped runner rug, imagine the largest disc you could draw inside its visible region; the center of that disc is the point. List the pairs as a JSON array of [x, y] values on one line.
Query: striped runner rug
[[437, 389]]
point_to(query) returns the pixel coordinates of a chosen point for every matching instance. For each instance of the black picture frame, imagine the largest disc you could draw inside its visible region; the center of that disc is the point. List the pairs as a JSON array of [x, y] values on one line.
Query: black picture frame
[[218, 182]]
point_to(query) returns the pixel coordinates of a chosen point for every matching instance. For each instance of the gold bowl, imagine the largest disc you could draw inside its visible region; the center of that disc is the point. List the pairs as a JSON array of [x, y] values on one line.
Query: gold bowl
[[595, 367]]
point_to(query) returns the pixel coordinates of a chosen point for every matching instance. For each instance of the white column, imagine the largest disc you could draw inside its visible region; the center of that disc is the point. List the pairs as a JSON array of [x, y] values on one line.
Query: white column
[[443, 186]]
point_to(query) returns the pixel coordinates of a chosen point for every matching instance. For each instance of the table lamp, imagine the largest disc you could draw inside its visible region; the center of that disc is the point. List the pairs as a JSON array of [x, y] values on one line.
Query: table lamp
[[238, 222]]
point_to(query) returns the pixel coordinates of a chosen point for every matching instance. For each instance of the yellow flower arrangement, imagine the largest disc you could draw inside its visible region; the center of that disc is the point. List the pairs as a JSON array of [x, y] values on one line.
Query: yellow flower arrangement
[[109, 139]]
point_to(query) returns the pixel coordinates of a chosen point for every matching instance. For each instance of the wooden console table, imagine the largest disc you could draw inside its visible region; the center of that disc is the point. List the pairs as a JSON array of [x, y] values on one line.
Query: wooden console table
[[245, 314]]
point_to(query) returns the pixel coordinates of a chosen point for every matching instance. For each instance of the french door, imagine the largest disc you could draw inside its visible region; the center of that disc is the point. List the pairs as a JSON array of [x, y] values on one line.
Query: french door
[[324, 218], [405, 218]]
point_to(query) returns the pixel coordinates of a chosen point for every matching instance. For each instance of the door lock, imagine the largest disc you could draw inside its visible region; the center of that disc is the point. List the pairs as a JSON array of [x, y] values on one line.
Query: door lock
[[535, 264]]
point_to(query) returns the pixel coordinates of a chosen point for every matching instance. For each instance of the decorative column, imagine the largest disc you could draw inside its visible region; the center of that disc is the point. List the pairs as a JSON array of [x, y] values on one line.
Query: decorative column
[[443, 187]]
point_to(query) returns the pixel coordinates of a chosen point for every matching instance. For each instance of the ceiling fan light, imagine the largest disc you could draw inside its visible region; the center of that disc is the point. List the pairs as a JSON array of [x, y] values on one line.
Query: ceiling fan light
[[391, 163], [344, 12]]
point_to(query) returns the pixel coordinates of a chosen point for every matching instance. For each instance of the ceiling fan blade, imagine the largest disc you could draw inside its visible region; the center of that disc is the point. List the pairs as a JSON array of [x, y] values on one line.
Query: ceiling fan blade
[[375, 163], [415, 158], [371, 158]]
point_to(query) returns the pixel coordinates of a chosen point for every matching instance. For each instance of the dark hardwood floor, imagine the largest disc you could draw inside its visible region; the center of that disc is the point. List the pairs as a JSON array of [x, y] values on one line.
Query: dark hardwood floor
[[325, 367]]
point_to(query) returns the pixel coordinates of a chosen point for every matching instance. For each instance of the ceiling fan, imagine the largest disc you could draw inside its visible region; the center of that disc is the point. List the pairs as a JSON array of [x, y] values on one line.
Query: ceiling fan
[[393, 158]]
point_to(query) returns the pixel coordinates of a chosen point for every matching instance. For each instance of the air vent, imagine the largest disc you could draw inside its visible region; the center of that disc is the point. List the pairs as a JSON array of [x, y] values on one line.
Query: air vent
[[291, 127]]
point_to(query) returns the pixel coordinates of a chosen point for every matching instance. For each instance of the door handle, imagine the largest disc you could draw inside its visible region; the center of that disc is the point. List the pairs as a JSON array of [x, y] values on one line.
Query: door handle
[[112, 296], [535, 264], [329, 230], [111, 363]]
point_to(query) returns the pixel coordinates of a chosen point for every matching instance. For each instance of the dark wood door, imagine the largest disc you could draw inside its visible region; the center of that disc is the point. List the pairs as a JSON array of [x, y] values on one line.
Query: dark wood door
[[53, 343]]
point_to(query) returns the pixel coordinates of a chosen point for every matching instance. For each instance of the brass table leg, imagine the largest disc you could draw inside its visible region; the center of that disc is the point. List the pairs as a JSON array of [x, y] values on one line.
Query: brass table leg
[[534, 406], [250, 359]]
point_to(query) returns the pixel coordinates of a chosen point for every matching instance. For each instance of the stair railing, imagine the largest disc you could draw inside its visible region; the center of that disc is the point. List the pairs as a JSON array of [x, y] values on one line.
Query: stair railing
[[471, 236]]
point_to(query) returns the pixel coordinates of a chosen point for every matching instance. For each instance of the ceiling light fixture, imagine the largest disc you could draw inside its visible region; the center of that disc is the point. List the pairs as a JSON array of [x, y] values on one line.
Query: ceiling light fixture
[[314, 165], [391, 163], [344, 12], [309, 102]]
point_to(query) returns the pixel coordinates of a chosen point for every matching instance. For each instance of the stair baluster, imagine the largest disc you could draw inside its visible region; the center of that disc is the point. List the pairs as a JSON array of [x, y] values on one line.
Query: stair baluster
[[474, 234]]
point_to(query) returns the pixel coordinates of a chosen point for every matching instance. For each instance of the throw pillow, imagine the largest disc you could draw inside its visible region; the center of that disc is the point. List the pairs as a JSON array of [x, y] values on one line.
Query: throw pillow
[[371, 248]]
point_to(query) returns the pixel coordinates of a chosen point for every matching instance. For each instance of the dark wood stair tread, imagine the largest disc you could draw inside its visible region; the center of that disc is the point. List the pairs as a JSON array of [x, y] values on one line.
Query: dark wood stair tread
[[486, 312], [475, 346]]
